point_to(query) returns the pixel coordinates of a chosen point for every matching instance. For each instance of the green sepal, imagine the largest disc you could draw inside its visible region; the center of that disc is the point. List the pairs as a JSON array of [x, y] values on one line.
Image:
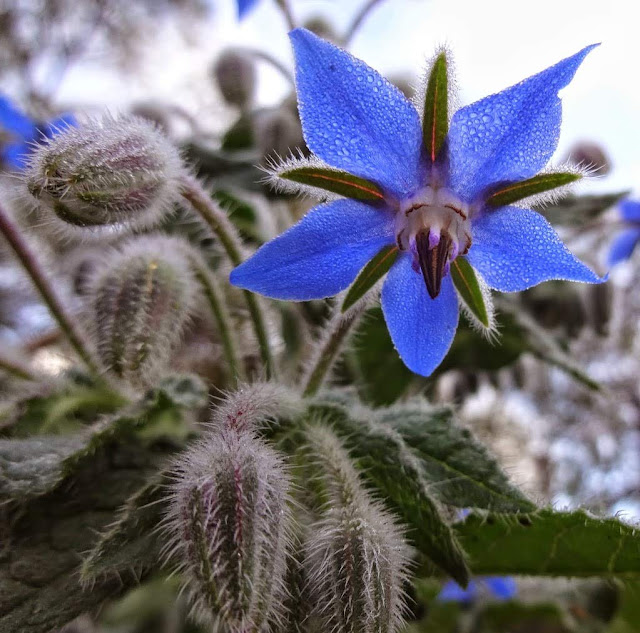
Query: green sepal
[[467, 283], [435, 123], [341, 182], [515, 191], [369, 275]]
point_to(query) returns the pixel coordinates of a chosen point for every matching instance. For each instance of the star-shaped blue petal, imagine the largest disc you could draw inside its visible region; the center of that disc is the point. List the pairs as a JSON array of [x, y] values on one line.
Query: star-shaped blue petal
[[432, 209]]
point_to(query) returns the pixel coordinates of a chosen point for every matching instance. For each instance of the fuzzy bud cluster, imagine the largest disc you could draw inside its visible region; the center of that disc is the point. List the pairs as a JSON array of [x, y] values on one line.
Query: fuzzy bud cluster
[[229, 524], [108, 172], [357, 558], [235, 74], [141, 299]]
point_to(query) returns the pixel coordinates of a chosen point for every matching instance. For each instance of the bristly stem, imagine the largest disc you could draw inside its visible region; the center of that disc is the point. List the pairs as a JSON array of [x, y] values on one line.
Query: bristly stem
[[328, 350], [213, 293], [47, 292], [358, 20], [286, 11], [219, 223]]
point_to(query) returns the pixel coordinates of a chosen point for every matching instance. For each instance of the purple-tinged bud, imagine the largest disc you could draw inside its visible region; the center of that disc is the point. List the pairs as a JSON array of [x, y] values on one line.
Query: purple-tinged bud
[[590, 156], [229, 524], [278, 133], [235, 73], [357, 559], [109, 172], [141, 299]]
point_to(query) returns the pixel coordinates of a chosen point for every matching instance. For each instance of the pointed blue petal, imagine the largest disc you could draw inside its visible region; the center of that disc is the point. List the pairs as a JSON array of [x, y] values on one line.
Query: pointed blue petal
[[630, 210], [421, 328], [353, 118], [502, 587], [623, 246], [453, 592], [244, 6], [510, 135], [319, 256], [514, 249], [14, 121]]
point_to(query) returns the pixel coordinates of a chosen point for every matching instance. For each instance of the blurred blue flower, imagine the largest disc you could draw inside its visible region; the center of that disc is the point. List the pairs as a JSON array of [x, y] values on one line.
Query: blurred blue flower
[[18, 133], [433, 208], [624, 244], [244, 6], [498, 587]]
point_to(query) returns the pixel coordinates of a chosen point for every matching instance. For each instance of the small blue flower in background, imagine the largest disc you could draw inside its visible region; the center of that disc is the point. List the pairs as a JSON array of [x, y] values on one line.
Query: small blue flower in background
[[624, 244], [18, 133], [433, 208], [244, 6], [498, 587]]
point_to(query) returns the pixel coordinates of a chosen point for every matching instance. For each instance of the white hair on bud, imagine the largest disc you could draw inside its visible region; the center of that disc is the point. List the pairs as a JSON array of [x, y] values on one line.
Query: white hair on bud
[[107, 174], [251, 406], [420, 88], [277, 166], [229, 531], [490, 332], [141, 299], [357, 560]]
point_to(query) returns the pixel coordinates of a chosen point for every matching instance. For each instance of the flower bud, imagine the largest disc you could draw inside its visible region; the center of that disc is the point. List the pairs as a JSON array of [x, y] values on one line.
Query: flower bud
[[277, 132], [235, 73], [107, 172], [357, 558], [590, 155], [141, 300], [229, 525]]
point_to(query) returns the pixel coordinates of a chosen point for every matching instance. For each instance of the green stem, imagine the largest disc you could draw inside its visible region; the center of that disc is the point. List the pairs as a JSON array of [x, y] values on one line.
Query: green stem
[[330, 346], [47, 292], [213, 293], [219, 223]]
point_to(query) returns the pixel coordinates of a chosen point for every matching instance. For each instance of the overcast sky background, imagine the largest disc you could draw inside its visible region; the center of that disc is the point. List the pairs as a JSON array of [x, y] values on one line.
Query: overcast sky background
[[495, 44]]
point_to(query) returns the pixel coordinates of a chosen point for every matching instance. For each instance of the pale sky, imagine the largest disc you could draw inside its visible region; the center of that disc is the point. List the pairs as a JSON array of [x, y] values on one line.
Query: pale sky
[[495, 43]]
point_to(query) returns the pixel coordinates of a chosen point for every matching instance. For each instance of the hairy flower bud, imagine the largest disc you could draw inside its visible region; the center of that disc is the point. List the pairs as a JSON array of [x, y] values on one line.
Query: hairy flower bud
[[141, 300], [357, 558], [235, 73], [590, 155], [229, 525], [107, 172], [277, 132]]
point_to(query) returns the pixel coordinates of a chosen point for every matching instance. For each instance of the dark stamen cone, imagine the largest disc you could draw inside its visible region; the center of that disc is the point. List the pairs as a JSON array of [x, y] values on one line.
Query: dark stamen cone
[[433, 260]]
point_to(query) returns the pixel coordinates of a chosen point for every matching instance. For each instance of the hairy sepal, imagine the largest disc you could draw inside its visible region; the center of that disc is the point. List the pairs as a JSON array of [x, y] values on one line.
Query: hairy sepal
[[546, 187], [474, 295]]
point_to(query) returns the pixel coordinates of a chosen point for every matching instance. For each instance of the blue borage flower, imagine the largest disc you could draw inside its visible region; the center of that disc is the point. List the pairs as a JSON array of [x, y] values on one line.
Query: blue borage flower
[[244, 6], [20, 133], [436, 193], [623, 246], [497, 587]]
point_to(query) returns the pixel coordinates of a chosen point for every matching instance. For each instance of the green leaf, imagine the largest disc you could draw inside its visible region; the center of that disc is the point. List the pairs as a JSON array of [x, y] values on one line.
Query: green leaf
[[39, 580], [460, 469], [369, 275], [578, 210], [470, 290], [548, 543], [389, 464], [515, 191], [131, 544], [381, 376], [240, 135], [628, 615], [335, 181], [435, 123]]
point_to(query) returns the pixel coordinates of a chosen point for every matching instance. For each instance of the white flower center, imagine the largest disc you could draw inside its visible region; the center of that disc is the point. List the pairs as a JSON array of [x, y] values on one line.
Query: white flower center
[[434, 227]]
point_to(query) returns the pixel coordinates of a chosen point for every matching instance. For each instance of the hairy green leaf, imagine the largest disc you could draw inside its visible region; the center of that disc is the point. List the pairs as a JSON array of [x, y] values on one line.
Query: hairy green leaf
[[370, 275], [397, 472], [341, 182], [459, 467], [548, 543]]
